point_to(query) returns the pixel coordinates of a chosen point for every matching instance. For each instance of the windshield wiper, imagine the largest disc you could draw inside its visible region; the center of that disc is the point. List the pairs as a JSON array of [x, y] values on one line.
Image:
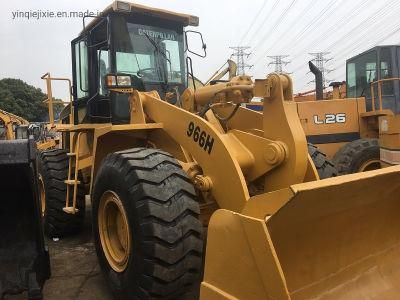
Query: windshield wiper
[[160, 51], [157, 47]]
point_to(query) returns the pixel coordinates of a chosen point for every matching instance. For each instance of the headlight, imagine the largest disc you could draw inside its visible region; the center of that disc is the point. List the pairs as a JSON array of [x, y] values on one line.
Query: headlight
[[124, 81], [118, 81], [111, 80]]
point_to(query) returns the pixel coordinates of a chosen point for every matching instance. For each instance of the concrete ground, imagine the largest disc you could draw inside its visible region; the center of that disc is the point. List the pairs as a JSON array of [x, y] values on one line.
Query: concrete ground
[[75, 273]]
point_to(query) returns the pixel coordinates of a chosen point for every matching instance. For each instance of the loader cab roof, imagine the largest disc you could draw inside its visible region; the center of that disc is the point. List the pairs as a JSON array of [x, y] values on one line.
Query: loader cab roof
[[377, 63], [130, 8], [127, 46], [376, 48]]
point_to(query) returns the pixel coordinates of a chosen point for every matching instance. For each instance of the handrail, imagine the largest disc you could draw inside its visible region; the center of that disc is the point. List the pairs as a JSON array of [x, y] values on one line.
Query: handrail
[[49, 101], [379, 84]]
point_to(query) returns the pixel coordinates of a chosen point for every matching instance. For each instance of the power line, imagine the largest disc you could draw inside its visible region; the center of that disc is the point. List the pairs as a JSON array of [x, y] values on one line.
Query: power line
[[292, 24], [300, 34], [261, 25], [346, 18], [276, 24], [278, 62], [361, 47], [351, 38], [369, 46], [345, 52], [370, 30], [239, 53], [253, 22], [313, 22]]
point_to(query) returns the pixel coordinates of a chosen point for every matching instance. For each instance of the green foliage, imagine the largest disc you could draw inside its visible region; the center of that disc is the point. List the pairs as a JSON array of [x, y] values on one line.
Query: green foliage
[[24, 100]]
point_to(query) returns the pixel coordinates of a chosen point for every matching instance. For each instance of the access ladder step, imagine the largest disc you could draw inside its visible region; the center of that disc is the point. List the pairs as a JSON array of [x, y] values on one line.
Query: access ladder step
[[71, 154], [72, 182], [70, 210]]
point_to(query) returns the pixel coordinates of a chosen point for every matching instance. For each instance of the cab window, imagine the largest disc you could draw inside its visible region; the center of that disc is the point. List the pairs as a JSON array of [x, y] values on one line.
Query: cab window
[[361, 71], [386, 71], [81, 69]]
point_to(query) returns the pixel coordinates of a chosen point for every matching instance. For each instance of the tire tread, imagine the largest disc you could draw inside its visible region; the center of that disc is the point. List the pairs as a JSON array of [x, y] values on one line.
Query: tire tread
[[167, 211], [325, 167], [53, 165], [345, 159]]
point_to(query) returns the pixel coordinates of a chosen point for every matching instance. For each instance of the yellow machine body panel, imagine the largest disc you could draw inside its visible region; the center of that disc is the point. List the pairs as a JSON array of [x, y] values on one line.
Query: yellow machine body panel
[[329, 116], [333, 239], [389, 139], [330, 124]]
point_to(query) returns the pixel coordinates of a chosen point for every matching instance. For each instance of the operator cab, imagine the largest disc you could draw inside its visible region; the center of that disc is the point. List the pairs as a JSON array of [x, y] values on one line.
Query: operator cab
[[128, 46], [378, 63]]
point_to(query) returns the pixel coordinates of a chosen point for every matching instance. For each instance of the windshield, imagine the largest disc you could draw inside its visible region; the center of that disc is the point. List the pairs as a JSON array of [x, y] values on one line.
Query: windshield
[[151, 53], [360, 72]]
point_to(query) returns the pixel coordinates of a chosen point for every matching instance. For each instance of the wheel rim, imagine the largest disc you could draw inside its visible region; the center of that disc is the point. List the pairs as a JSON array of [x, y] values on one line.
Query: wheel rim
[[114, 231], [369, 165], [42, 195]]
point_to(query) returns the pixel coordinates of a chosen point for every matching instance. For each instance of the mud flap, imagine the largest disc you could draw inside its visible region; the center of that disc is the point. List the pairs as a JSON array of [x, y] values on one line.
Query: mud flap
[[337, 238], [24, 259]]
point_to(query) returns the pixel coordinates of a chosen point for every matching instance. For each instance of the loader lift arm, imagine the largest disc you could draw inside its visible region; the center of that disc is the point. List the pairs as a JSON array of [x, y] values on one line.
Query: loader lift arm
[[230, 69], [208, 145]]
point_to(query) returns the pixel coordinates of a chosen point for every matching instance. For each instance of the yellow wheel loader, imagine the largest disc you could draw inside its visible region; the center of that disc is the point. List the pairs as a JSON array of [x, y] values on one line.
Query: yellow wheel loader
[[162, 163], [347, 129], [12, 126], [24, 259]]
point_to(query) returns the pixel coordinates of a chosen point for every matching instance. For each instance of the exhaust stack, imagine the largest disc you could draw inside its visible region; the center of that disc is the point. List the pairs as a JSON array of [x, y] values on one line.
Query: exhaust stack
[[319, 88]]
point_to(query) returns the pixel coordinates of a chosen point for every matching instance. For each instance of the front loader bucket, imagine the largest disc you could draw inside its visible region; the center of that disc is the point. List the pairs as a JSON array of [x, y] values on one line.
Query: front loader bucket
[[337, 238], [24, 260]]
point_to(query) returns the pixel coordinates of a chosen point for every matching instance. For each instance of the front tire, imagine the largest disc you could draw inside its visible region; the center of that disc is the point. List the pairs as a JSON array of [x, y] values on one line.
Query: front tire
[[358, 156], [325, 168], [146, 229]]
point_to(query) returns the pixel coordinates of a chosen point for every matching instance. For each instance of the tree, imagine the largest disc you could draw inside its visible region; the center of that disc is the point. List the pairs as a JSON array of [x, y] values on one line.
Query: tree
[[24, 100]]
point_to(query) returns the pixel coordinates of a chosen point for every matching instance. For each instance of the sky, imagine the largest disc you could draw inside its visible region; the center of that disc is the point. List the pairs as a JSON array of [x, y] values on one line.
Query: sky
[[342, 29]]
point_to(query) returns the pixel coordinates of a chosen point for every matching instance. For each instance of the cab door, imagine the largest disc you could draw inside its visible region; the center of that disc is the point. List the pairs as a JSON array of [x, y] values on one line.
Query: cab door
[[80, 75]]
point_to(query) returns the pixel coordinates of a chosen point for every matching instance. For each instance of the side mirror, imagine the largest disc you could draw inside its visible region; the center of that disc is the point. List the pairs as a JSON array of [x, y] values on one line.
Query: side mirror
[[195, 44]]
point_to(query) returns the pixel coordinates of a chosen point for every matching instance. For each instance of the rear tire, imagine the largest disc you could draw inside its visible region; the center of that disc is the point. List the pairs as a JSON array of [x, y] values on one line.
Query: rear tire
[[53, 170], [160, 255], [324, 166], [358, 156]]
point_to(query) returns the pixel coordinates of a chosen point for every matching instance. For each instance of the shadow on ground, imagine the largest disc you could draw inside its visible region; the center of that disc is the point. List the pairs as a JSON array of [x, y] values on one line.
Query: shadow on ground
[[75, 271]]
